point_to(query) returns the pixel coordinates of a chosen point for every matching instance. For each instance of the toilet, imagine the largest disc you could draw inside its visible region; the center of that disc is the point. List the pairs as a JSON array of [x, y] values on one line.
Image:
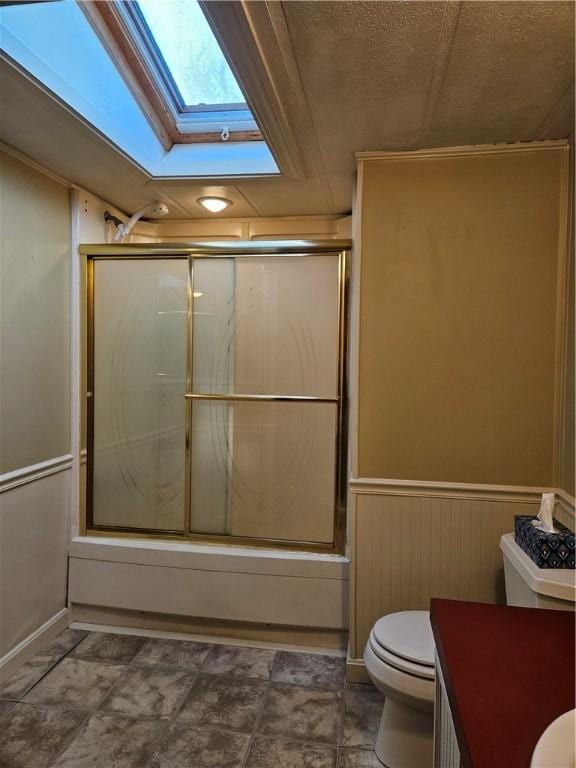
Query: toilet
[[528, 586], [399, 657]]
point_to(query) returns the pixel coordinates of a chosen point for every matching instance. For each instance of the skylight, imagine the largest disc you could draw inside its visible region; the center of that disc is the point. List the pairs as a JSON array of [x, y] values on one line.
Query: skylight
[[56, 43], [191, 53]]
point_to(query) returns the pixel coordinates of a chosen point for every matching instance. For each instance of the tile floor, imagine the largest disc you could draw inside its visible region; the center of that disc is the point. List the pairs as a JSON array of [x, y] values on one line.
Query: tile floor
[[97, 700]]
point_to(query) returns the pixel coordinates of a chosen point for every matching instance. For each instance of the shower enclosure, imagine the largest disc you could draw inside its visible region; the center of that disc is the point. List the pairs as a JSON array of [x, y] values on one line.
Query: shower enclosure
[[216, 392]]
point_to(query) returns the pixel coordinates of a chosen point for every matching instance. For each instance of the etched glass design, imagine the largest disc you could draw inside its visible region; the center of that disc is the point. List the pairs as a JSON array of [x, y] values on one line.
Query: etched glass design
[[265, 470], [140, 322], [266, 326]]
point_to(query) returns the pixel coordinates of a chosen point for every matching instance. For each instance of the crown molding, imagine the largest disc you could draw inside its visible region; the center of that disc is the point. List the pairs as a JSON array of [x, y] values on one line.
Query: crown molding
[[464, 151]]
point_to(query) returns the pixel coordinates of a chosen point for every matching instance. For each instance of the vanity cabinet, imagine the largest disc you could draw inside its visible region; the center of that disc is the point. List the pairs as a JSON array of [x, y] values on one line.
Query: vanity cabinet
[[503, 675]]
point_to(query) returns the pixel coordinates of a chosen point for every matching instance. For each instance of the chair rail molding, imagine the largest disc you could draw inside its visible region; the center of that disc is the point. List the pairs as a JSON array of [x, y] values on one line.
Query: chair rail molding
[[445, 489], [24, 475]]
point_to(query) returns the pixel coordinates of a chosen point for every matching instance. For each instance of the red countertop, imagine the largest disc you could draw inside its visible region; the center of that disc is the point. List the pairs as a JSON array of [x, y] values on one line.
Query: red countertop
[[509, 672]]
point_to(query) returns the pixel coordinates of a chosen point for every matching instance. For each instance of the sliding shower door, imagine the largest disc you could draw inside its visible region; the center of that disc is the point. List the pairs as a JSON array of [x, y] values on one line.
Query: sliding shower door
[[265, 397], [217, 387], [138, 371]]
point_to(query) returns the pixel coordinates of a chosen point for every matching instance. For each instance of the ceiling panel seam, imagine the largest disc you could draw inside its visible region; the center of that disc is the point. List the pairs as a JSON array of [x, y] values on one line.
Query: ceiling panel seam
[[172, 203], [450, 17], [566, 100], [249, 201]]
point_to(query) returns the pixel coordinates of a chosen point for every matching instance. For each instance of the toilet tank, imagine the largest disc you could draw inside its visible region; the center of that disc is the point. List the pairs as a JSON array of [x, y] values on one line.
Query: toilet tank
[[528, 586]]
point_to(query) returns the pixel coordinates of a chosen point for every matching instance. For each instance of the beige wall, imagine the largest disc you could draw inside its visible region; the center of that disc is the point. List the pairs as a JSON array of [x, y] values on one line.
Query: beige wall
[[459, 263], [34, 403], [35, 316], [459, 320]]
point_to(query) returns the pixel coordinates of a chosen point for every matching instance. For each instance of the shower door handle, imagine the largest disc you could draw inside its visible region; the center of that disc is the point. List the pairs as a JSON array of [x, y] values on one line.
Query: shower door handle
[[262, 398]]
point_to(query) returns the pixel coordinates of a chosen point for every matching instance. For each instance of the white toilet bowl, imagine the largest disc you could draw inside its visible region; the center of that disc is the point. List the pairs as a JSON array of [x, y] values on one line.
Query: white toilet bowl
[[399, 658]]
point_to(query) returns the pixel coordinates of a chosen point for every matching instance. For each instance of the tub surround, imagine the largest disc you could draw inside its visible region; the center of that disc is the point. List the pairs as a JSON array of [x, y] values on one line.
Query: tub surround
[[112, 581], [502, 693]]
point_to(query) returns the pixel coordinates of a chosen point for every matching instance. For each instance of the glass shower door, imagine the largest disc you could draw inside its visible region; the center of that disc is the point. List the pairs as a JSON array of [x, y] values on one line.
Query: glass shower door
[[139, 332], [264, 404], [215, 396]]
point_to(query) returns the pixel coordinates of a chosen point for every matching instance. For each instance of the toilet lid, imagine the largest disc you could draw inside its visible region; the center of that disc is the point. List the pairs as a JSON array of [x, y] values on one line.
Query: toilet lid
[[398, 662], [407, 634]]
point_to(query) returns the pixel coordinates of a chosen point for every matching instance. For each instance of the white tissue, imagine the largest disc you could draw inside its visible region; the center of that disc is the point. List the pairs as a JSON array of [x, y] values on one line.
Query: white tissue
[[545, 515]]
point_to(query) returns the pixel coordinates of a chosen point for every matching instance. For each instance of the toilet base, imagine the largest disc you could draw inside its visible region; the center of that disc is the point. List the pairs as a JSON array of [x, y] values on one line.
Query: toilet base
[[405, 737]]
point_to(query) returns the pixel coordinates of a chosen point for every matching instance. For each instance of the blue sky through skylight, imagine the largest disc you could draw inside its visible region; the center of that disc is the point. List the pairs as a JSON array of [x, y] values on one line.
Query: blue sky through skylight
[[191, 52], [56, 44]]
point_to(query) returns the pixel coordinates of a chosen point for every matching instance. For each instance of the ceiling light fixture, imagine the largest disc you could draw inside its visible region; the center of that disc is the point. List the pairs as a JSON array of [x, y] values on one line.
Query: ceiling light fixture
[[214, 204]]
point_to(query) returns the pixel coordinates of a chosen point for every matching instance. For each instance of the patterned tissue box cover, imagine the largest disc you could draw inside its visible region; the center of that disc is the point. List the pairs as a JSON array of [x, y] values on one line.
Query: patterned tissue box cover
[[547, 550]]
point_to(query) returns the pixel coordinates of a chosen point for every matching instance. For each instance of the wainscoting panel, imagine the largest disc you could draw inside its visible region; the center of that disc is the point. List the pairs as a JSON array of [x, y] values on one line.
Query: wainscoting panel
[[34, 529], [409, 548]]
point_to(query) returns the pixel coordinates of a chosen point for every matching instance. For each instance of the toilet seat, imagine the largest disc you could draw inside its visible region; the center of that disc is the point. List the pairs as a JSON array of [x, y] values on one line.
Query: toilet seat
[[425, 671], [406, 635]]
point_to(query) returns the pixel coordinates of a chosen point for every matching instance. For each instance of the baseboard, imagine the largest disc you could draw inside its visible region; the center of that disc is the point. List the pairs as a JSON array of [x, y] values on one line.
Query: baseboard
[[215, 631], [20, 654], [356, 671]]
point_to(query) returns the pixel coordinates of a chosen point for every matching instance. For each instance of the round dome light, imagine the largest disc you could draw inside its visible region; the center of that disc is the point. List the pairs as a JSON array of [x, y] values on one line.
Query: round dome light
[[214, 204]]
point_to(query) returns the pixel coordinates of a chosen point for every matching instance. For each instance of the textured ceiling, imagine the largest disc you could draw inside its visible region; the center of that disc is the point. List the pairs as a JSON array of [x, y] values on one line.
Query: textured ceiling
[[353, 76]]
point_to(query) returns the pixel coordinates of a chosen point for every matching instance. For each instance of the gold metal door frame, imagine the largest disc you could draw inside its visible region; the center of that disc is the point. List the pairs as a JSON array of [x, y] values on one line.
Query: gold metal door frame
[[339, 249]]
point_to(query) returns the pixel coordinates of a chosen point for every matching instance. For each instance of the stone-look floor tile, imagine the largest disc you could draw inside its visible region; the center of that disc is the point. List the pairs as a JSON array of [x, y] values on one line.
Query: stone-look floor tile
[[309, 669], [148, 692], [34, 670], [190, 747], [6, 706], [360, 686], [239, 661], [106, 741], [305, 714], [75, 684], [184, 654], [63, 643], [224, 702], [358, 758], [32, 737], [103, 646], [268, 753], [26, 677], [362, 713]]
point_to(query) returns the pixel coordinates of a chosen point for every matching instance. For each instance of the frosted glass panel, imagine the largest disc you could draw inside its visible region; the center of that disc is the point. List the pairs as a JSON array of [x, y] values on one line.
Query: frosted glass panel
[[140, 320], [266, 325], [265, 470]]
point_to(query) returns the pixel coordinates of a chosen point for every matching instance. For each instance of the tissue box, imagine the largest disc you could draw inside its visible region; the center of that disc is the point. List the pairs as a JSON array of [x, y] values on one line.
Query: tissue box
[[547, 550]]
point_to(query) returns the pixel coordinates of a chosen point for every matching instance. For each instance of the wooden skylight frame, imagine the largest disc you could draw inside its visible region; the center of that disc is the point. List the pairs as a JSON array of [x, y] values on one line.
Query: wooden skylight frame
[[151, 87]]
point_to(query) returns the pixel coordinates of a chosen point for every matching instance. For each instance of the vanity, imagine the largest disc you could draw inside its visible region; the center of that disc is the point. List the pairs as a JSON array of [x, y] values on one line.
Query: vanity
[[503, 675]]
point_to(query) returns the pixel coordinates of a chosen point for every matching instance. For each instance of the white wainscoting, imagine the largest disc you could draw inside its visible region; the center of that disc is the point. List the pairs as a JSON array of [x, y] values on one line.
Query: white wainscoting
[[234, 584], [34, 524], [410, 541], [446, 750]]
